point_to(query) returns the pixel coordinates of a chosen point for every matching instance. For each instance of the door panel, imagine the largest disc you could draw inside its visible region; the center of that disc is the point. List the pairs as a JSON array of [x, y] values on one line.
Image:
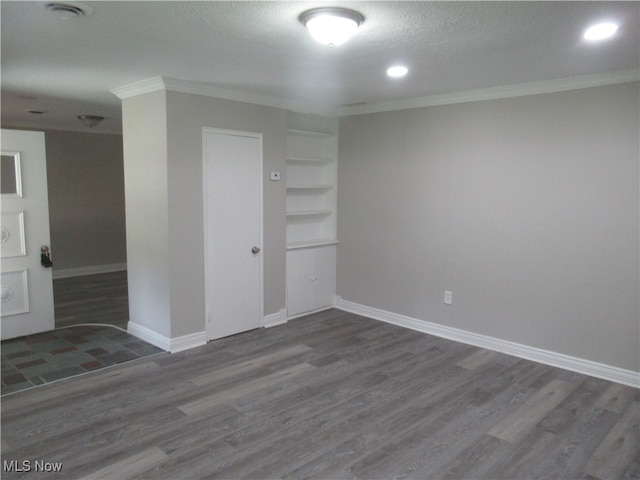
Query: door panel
[[326, 276], [301, 267], [27, 290], [233, 224], [311, 279]]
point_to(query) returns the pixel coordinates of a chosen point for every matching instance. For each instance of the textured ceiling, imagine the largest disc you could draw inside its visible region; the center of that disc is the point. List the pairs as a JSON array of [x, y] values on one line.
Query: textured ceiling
[[69, 66]]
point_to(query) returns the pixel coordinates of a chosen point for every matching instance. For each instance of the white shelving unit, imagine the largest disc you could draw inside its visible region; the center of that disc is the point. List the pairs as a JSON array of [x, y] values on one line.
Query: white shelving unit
[[311, 221], [311, 188]]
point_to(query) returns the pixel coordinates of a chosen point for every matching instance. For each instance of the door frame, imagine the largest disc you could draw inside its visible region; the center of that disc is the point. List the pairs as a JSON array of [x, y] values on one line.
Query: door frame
[[205, 211]]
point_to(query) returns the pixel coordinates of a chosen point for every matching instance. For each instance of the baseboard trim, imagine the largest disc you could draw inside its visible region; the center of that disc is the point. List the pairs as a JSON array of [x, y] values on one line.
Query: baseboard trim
[[275, 319], [186, 342], [172, 345], [89, 270], [311, 312], [579, 365]]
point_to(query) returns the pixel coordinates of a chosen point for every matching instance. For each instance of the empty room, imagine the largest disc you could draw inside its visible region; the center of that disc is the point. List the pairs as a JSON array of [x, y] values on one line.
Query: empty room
[[365, 240]]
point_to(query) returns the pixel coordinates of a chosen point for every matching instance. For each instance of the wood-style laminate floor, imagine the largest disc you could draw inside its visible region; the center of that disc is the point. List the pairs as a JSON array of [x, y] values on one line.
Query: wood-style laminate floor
[[101, 298], [332, 395]]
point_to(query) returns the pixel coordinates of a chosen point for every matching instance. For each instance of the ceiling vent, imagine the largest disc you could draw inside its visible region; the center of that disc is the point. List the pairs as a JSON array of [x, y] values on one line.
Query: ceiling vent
[[69, 9]]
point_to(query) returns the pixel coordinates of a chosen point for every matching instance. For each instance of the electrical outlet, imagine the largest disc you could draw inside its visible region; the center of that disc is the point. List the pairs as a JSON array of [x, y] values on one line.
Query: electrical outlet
[[448, 297]]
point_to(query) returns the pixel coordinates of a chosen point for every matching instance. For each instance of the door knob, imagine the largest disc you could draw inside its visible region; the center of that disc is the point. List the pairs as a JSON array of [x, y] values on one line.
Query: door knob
[[45, 257], [255, 250]]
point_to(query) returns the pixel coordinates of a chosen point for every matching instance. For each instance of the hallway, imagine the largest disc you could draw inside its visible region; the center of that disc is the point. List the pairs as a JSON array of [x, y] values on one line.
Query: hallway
[[95, 299]]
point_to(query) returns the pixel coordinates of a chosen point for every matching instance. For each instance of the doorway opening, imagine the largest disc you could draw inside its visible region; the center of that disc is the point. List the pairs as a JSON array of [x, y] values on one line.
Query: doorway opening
[[92, 299]]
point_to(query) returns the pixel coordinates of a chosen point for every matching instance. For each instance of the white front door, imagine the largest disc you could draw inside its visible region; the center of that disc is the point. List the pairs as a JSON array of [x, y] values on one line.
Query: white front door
[[27, 290], [233, 231]]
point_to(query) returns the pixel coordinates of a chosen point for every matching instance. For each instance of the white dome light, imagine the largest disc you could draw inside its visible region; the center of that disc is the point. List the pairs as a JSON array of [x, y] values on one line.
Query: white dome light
[[331, 26], [600, 31], [397, 71]]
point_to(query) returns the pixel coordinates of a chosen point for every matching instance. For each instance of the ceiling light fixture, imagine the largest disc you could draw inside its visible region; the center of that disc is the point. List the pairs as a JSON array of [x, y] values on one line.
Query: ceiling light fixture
[[90, 120], [601, 31], [68, 10], [331, 25], [397, 71]]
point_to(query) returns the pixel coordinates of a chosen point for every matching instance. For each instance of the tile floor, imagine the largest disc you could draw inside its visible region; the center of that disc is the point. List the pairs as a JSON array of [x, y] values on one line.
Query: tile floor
[[65, 352]]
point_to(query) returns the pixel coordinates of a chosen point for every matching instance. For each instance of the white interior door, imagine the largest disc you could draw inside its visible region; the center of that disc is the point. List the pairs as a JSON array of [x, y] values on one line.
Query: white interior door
[[27, 290], [233, 231]]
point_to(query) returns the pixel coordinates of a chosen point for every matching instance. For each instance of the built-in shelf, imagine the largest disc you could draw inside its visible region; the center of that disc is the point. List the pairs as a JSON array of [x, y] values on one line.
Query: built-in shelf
[[309, 160], [311, 243], [312, 172], [309, 133], [309, 213], [309, 187]]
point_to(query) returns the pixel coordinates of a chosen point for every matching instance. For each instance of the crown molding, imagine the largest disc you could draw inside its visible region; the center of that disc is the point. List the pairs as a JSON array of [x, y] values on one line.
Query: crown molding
[[493, 93], [208, 90], [134, 89], [509, 91]]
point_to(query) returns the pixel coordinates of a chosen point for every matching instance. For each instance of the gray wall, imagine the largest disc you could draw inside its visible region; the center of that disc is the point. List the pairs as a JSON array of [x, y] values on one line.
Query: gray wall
[[164, 191], [144, 124], [187, 115], [86, 199], [526, 208]]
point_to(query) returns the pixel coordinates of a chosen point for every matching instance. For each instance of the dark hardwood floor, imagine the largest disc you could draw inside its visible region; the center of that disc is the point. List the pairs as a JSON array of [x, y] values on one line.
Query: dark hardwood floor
[[101, 298], [331, 395]]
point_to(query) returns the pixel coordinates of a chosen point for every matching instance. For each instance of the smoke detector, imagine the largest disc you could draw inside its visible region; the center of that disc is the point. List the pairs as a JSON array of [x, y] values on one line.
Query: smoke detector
[[68, 10]]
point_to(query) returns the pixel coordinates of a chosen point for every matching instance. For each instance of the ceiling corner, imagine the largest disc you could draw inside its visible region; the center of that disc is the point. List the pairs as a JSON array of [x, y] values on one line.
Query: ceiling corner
[[138, 88]]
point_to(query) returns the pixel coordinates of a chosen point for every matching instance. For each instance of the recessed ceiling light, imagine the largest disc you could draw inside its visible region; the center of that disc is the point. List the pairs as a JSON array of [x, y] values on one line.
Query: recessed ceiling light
[[601, 31], [331, 25], [397, 71]]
